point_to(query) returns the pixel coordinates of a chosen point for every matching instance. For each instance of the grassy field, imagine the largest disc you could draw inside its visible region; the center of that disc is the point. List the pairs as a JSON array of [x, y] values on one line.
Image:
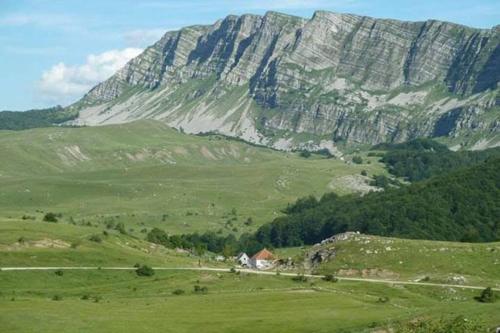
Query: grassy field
[[31, 243], [42, 301], [122, 301], [409, 260], [146, 174]]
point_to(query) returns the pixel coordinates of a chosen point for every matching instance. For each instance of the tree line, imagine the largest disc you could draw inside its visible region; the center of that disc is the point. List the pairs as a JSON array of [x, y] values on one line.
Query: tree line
[[462, 205], [424, 158], [10, 120]]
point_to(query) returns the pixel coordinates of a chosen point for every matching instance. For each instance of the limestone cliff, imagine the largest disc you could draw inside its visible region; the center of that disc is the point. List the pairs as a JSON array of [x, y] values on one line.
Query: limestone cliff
[[335, 78]]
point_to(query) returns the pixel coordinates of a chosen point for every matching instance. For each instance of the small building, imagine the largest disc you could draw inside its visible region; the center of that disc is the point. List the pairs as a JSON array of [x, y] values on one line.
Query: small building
[[243, 259], [262, 259]]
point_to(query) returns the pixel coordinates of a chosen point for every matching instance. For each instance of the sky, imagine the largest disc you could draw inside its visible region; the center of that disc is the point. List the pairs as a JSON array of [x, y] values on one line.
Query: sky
[[53, 51]]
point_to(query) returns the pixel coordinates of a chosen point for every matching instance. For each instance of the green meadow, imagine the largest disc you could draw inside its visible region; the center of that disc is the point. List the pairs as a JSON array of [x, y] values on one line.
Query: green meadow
[[411, 260], [105, 301], [145, 174]]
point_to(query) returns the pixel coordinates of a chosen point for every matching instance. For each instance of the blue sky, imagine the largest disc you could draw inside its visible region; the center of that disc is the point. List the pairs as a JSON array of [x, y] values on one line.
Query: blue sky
[[52, 51]]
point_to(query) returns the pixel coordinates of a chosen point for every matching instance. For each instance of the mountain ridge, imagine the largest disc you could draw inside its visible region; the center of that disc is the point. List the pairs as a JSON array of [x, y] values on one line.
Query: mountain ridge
[[291, 82]]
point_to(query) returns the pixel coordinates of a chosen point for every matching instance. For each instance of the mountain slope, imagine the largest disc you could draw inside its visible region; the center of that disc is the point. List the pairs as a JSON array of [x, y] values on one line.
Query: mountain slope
[[460, 206], [284, 81]]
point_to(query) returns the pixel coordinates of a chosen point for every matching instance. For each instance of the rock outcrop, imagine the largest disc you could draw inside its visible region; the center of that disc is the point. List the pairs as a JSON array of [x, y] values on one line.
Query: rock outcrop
[[287, 81]]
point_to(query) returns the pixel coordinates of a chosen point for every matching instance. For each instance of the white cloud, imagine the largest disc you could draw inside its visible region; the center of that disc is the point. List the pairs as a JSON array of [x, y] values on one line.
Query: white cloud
[[63, 83]]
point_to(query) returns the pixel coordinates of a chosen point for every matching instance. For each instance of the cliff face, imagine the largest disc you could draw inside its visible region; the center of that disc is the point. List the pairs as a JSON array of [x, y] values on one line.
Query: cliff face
[[287, 81]]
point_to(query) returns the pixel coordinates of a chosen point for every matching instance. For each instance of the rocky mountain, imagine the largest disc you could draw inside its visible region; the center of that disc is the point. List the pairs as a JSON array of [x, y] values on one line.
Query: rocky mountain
[[291, 82]]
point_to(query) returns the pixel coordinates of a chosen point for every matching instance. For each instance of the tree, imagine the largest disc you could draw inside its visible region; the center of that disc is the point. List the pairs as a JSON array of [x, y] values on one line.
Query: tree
[[158, 236], [380, 181], [228, 251]]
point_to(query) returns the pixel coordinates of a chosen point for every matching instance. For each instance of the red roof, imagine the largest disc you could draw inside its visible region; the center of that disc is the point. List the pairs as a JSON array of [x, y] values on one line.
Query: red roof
[[263, 254]]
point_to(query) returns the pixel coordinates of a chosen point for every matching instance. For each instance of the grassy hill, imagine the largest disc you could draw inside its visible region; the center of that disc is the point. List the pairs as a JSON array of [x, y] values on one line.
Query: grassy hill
[[146, 174], [405, 259], [31, 243]]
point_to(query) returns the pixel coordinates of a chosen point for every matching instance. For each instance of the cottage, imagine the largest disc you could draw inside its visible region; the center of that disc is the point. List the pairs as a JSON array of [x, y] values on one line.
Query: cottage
[[262, 259], [243, 259]]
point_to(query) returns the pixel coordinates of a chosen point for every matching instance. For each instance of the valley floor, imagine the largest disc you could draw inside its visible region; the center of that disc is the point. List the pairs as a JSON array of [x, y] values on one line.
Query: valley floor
[[109, 186], [104, 301]]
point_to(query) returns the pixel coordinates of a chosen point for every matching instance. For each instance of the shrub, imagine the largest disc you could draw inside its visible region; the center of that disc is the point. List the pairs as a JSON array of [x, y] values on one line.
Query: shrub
[[299, 278], [357, 160], [50, 217], [21, 240], [95, 238], [85, 297], [200, 290], [364, 173], [383, 299], [59, 272], [75, 244], [330, 278], [324, 152], [145, 270], [57, 298], [178, 292], [487, 296], [305, 154], [380, 181], [456, 325], [120, 227]]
